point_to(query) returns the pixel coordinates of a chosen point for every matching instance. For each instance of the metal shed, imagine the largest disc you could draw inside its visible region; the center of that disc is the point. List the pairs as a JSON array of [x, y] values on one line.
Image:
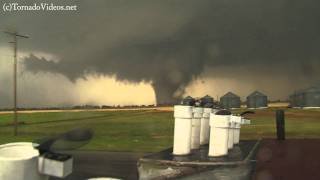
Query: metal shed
[[257, 100], [307, 98], [230, 100]]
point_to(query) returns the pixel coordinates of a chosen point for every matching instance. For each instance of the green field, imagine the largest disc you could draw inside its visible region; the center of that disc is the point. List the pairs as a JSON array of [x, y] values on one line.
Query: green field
[[144, 131]]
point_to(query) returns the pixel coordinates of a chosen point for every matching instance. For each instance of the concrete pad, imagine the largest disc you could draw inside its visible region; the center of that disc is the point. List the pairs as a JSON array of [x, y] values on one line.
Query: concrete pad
[[164, 165]]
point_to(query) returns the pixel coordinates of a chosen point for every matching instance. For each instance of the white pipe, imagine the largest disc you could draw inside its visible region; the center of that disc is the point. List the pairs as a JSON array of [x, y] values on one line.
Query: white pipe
[[195, 131], [19, 161], [182, 130], [205, 128], [219, 127], [230, 135], [236, 133]]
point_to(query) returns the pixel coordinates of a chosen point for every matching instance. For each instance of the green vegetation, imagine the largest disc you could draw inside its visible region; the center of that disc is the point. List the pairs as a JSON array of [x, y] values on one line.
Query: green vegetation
[[144, 131], [299, 123]]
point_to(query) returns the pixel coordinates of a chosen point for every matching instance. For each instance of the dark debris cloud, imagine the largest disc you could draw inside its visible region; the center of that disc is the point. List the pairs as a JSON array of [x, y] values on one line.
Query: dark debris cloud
[[171, 42]]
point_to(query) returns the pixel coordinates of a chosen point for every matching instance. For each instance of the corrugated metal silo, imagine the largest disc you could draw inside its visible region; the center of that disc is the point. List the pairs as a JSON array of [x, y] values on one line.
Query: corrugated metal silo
[[307, 98], [230, 100], [257, 100], [312, 97]]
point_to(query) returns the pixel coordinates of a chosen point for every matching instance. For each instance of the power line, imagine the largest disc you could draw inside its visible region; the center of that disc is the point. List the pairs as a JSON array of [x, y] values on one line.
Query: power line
[[15, 36]]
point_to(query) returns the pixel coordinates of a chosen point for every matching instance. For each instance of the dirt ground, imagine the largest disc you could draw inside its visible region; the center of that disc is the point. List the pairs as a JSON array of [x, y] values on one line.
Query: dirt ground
[[293, 159]]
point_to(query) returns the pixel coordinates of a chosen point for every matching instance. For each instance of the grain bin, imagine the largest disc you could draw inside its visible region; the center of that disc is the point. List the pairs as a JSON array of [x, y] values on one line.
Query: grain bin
[[230, 101], [257, 100], [306, 98]]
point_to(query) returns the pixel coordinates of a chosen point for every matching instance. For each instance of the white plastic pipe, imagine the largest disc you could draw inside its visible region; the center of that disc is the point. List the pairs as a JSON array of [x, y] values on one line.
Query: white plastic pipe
[[236, 133], [230, 136], [205, 127], [19, 161], [195, 131], [219, 131], [182, 130]]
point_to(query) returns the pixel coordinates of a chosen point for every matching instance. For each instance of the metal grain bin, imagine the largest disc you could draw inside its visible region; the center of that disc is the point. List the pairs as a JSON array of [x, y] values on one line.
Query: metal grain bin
[[257, 100], [307, 98], [230, 100]]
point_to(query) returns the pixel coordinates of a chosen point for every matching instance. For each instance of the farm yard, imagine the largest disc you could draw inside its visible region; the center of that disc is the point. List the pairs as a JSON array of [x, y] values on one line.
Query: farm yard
[[147, 130]]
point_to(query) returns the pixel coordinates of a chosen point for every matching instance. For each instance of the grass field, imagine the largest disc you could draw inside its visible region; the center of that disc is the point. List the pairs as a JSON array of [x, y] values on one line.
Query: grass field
[[145, 130]]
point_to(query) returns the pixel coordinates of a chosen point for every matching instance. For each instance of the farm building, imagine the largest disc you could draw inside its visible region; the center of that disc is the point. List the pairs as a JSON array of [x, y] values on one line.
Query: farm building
[[230, 100], [257, 100], [307, 98]]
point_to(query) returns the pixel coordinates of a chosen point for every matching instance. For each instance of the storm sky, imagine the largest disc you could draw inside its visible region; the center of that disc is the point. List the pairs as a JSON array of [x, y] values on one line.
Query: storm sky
[[145, 52]]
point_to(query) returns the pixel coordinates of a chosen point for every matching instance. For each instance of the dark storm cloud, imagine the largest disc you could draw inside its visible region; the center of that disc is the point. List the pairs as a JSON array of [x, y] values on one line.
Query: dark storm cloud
[[171, 42]]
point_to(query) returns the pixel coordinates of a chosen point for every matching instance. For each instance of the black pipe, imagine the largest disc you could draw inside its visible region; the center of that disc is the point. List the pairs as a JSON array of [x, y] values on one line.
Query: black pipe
[[280, 125]]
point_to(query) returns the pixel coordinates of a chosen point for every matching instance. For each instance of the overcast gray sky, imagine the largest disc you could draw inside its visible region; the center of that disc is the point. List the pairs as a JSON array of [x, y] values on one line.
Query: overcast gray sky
[[143, 52]]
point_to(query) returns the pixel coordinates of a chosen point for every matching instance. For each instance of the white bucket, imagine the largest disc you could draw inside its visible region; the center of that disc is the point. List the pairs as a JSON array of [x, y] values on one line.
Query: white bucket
[[219, 131], [182, 130], [195, 131], [19, 161]]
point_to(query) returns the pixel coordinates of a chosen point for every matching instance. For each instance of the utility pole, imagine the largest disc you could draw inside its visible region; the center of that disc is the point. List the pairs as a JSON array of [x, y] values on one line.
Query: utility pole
[[15, 84]]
